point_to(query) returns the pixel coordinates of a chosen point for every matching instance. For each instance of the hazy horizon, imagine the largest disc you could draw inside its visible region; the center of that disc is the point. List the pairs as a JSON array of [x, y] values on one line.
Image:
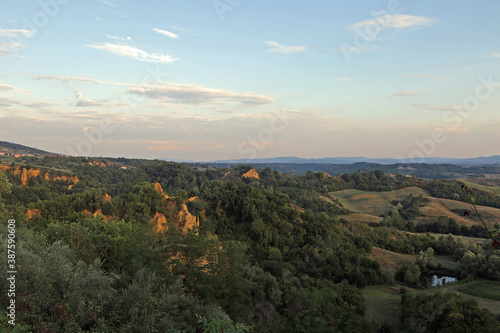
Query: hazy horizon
[[404, 160], [219, 80]]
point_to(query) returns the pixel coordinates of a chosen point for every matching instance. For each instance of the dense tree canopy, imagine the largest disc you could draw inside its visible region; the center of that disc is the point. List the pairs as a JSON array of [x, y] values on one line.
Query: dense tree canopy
[[113, 252]]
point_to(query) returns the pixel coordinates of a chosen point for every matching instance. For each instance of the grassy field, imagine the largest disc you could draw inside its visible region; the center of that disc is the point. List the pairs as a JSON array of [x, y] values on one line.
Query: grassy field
[[473, 183], [356, 217], [373, 203], [376, 204], [484, 302], [448, 262], [438, 207], [390, 261], [471, 240], [483, 289], [383, 303]]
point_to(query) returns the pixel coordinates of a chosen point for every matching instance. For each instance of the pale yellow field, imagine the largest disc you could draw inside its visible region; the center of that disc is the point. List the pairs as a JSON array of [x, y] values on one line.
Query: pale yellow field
[[439, 207], [373, 203], [377, 204], [355, 217]]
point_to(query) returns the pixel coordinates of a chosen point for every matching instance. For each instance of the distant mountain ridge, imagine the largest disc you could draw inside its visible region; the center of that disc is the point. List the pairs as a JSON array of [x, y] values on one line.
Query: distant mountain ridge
[[476, 161], [14, 148]]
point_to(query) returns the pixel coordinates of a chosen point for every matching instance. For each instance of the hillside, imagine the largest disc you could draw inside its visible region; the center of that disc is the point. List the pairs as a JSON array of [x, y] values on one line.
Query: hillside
[[377, 204], [490, 183], [421, 170], [384, 302], [9, 148], [490, 160], [373, 203], [454, 209], [187, 246]]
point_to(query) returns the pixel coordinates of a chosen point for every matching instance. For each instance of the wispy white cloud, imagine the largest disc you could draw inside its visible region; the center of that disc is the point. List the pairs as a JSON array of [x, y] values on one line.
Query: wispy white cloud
[[193, 94], [11, 46], [12, 40], [7, 102], [494, 55], [181, 29], [173, 92], [396, 21], [9, 88], [84, 101], [404, 93], [10, 49], [17, 33], [125, 39], [280, 48], [122, 15], [68, 79], [133, 52], [40, 105], [166, 33], [108, 3], [87, 102], [341, 78]]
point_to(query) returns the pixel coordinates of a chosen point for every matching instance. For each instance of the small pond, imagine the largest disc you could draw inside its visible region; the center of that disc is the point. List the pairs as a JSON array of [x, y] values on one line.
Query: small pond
[[436, 280], [439, 280]]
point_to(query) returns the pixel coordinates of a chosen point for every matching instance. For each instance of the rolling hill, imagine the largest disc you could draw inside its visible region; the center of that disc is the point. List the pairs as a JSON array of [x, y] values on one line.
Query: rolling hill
[[14, 148], [360, 159], [373, 203], [377, 204], [489, 184]]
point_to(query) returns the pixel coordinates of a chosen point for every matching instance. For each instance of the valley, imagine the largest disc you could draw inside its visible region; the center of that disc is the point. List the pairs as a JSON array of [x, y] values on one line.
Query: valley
[[244, 247]]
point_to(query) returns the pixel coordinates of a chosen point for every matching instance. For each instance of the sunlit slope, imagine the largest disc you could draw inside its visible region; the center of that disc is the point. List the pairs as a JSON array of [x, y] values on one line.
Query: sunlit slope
[[377, 204], [373, 203], [451, 208], [472, 183]]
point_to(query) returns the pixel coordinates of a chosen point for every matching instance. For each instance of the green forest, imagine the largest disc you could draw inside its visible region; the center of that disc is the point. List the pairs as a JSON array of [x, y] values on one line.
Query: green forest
[[123, 245]]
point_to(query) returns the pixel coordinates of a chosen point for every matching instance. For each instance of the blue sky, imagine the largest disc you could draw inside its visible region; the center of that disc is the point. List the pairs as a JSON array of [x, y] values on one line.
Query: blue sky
[[221, 79]]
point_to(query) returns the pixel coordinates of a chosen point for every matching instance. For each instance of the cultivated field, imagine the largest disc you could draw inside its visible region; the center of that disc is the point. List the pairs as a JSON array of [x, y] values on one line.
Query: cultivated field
[[365, 203], [483, 289], [373, 203], [438, 207], [383, 303], [486, 184], [391, 261], [366, 218]]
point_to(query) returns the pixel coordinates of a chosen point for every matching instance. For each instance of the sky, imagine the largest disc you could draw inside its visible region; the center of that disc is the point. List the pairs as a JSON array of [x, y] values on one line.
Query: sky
[[207, 80]]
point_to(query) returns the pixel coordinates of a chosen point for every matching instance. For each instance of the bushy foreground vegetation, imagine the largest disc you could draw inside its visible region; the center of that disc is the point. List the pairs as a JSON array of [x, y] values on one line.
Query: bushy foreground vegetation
[[444, 313]]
